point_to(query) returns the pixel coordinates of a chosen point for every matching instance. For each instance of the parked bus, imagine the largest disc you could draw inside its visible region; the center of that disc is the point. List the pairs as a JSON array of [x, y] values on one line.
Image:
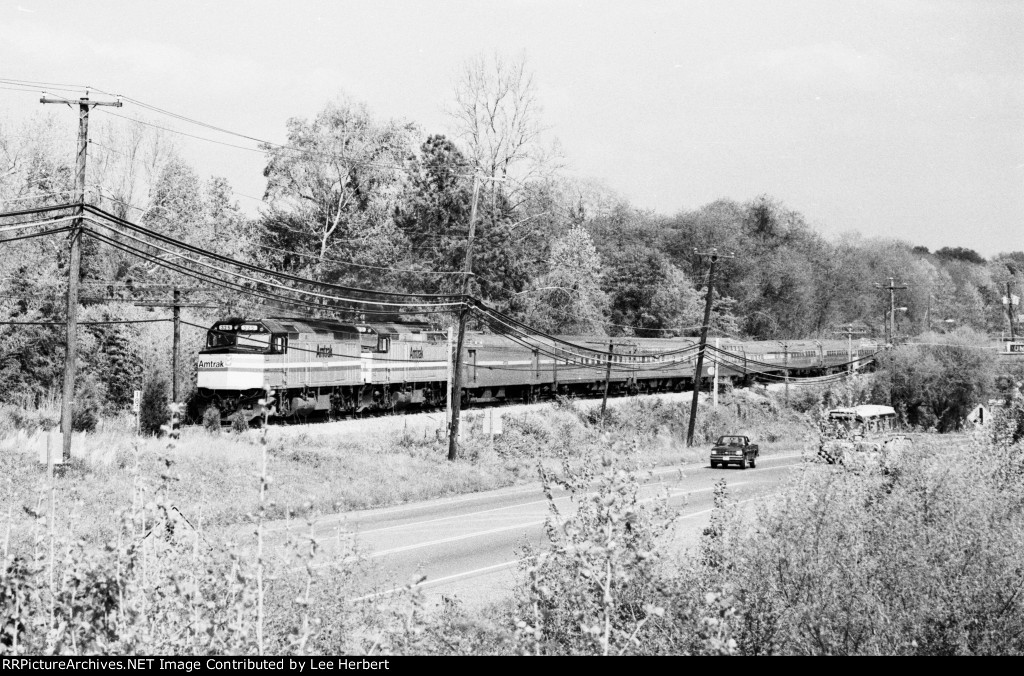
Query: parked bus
[[865, 418]]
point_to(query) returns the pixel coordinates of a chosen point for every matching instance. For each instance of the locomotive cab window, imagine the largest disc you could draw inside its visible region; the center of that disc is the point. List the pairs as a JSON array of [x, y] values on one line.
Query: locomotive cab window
[[383, 344], [278, 343], [220, 338]]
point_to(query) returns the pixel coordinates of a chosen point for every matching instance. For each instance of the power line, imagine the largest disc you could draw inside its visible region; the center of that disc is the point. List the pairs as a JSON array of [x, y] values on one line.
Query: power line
[[358, 265], [88, 323], [233, 286], [274, 284], [241, 264]]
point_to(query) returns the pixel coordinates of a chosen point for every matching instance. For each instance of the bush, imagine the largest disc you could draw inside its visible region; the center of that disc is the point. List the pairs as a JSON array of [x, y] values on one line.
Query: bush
[[239, 422], [940, 381], [154, 412], [211, 419], [591, 591], [15, 418], [925, 560], [85, 411]]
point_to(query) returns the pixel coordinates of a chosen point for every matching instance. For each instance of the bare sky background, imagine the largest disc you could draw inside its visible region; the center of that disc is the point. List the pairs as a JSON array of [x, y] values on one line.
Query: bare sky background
[[892, 118]]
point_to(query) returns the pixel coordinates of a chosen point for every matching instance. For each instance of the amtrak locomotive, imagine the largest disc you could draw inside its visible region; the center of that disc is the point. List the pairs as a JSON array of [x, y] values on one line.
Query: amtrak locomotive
[[323, 366]]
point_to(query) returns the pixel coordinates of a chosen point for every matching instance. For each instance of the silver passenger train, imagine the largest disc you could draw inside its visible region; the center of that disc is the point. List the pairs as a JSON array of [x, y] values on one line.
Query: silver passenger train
[[323, 366]]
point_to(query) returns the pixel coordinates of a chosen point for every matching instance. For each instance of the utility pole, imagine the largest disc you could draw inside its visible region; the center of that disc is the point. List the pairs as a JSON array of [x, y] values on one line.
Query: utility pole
[[176, 345], [849, 331], [892, 288], [75, 263], [785, 355], [456, 395], [607, 377], [448, 391], [175, 306], [714, 396], [713, 255], [1009, 311]]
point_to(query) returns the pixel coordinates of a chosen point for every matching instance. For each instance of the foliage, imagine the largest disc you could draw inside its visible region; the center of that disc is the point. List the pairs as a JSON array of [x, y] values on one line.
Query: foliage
[[585, 594], [960, 253], [569, 299], [1007, 426], [88, 404], [940, 380], [211, 419], [650, 295], [335, 202], [924, 560], [153, 412], [239, 422]]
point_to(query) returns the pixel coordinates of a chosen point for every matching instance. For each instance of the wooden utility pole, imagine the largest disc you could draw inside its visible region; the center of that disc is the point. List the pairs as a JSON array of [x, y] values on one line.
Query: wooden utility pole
[[75, 264], [176, 306], [713, 255], [448, 391], [785, 356], [177, 345], [714, 396], [1009, 311], [607, 377], [890, 334], [456, 395]]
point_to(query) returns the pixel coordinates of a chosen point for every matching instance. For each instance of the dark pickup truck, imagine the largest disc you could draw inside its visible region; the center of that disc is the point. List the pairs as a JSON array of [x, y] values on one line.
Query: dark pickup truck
[[733, 449]]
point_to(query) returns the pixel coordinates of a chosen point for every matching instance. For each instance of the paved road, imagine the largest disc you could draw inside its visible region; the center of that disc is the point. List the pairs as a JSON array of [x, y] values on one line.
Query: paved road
[[468, 546]]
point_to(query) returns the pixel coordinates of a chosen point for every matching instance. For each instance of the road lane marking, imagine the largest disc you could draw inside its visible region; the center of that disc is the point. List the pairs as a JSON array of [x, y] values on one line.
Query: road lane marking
[[509, 564], [508, 491], [529, 524], [519, 505], [671, 494]]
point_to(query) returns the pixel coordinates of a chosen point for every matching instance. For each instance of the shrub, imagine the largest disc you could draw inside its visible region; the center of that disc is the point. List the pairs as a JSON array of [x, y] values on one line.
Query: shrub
[[14, 418], [591, 591], [153, 413], [925, 560], [239, 422], [211, 419], [85, 411], [938, 382]]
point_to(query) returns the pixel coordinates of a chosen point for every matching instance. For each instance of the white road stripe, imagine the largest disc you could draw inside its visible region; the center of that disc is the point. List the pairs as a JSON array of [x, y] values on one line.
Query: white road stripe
[[508, 491], [509, 564]]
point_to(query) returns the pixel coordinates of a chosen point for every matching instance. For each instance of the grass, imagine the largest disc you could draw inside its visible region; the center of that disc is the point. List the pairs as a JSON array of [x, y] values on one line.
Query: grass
[[335, 467], [921, 555]]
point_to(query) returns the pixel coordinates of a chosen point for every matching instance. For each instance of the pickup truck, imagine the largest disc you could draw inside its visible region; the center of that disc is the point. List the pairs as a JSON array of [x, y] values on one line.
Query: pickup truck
[[734, 449]]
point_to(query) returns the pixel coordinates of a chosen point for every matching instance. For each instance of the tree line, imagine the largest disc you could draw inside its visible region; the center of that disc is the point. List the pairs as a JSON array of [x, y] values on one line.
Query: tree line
[[355, 199]]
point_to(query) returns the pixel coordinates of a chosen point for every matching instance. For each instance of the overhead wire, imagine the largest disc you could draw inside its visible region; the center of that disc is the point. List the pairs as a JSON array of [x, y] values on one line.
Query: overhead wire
[[248, 266], [276, 285], [89, 323], [232, 286]]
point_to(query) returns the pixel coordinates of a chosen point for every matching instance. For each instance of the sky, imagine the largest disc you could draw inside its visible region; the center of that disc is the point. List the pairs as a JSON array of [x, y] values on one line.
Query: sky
[[894, 118]]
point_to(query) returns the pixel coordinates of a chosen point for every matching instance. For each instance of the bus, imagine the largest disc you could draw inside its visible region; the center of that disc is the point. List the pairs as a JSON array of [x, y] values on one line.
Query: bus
[[865, 418]]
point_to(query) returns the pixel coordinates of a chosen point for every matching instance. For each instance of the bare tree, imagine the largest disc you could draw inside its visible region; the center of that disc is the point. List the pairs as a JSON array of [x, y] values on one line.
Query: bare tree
[[497, 115]]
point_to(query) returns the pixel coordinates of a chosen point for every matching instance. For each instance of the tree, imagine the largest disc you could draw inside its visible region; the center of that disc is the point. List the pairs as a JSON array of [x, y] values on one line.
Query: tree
[[569, 299], [650, 296], [333, 193], [959, 253], [939, 381], [497, 115]]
